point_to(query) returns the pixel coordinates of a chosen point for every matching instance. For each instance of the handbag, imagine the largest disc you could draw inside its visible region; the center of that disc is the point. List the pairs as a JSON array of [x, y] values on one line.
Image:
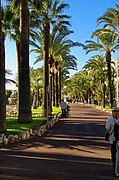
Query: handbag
[[107, 136]]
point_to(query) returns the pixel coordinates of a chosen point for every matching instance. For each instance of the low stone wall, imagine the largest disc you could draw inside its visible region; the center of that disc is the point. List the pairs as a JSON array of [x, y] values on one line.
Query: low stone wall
[[39, 131]]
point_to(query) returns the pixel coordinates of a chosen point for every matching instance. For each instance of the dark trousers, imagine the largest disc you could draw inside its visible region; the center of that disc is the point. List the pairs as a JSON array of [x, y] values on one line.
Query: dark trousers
[[63, 112], [113, 154]]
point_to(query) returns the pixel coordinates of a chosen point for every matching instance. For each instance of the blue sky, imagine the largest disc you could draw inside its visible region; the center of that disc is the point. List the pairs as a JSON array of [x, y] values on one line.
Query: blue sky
[[84, 14]]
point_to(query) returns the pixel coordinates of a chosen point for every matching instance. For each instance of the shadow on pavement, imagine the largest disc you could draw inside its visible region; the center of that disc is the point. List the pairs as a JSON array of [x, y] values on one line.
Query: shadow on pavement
[[73, 149]]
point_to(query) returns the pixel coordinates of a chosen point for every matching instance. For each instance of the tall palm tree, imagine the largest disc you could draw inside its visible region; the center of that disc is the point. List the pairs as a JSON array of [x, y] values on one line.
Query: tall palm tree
[[106, 42], [96, 66], [51, 12], [60, 52], [3, 126], [24, 77], [111, 19], [22, 44], [2, 80]]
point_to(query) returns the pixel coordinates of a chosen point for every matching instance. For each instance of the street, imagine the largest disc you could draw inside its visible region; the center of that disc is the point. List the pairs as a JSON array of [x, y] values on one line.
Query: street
[[73, 149]]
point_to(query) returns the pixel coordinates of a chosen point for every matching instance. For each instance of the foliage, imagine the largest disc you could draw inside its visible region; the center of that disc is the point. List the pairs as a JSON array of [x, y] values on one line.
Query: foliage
[[8, 93], [55, 110], [13, 127], [36, 78]]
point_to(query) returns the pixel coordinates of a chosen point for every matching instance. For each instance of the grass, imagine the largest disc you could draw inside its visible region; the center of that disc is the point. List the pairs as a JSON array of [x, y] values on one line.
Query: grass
[[55, 110], [108, 108], [13, 127]]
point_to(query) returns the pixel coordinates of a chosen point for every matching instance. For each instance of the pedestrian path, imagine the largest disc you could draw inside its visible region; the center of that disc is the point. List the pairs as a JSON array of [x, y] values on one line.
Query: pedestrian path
[[73, 149]]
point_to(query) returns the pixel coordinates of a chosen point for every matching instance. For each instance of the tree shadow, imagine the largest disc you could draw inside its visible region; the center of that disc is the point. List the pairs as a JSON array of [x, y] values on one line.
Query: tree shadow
[[72, 149], [32, 165]]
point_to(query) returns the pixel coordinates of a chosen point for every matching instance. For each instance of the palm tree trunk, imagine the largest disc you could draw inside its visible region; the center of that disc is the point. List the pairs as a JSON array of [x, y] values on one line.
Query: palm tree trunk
[[57, 104], [109, 73], [53, 84], [103, 93], [18, 67], [51, 89], [35, 101], [56, 83], [89, 95], [104, 89], [3, 127], [24, 77], [46, 69], [60, 80], [38, 99]]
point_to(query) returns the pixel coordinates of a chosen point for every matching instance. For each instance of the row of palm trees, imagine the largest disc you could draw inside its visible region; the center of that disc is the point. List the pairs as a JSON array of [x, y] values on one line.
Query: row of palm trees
[[105, 40], [91, 83], [60, 61], [43, 24], [107, 43]]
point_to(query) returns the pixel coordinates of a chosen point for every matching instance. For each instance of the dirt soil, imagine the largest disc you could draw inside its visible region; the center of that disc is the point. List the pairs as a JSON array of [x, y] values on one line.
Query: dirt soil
[[74, 149]]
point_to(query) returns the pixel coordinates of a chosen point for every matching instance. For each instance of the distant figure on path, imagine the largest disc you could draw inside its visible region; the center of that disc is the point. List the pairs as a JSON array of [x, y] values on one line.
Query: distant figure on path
[[63, 107]]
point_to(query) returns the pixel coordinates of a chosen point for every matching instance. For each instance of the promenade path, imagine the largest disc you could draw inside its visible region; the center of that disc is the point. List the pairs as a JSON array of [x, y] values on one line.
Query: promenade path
[[74, 149]]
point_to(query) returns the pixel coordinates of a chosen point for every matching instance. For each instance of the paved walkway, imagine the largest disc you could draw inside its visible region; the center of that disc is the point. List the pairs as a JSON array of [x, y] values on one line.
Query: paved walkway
[[74, 149]]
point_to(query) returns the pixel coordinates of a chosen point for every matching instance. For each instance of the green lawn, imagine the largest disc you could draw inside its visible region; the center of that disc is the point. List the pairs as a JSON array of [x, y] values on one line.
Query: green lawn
[[55, 110], [13, 127]]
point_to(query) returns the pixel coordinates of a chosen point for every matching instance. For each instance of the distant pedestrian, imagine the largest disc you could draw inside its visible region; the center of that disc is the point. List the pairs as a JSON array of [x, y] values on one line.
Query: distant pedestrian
[[63, 107]]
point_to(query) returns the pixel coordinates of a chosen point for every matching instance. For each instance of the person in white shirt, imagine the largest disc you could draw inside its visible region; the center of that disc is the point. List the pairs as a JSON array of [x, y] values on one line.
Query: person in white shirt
[[63, 107], [109, 126]]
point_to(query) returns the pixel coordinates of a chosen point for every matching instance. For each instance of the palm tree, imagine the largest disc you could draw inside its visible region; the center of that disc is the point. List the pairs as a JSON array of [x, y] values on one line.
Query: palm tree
[[51, 12], [11, 26], [77, 86], [7, 80], [24, 77], [106, 43], [111, 19], [22, 44], [96, 66], [3, 127], [36, 86], [59, 55]]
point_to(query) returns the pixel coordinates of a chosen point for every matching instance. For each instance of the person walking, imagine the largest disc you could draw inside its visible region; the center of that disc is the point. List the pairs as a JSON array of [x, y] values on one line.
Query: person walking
[[63, 108], [109, 126]]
